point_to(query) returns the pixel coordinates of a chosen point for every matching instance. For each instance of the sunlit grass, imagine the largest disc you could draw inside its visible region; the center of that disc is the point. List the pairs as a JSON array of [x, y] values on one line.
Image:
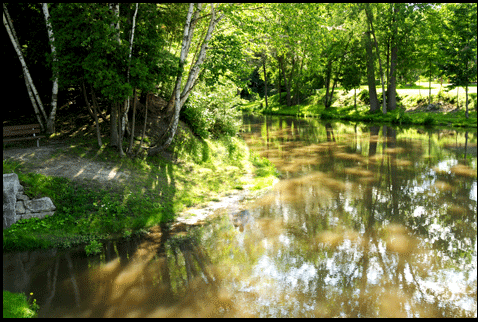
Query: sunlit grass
[[343, 108], [157, 190], [15, 305]]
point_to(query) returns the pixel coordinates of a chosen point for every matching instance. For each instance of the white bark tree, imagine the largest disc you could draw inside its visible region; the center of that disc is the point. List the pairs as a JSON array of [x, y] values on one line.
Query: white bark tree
[[177, 89], [33, 93], [124, 119], [50, 125], [180, 97]]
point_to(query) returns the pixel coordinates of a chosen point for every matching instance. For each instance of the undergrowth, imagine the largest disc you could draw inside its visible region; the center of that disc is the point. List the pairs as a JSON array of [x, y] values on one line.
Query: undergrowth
[[158, 189]]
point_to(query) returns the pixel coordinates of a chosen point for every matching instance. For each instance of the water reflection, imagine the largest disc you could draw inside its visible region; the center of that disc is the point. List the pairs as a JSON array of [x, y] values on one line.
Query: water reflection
[[368, 209], [368, 221]]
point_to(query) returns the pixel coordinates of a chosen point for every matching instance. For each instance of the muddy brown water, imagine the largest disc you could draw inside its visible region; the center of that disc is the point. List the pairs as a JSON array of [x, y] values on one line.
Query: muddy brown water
[[366, 221]]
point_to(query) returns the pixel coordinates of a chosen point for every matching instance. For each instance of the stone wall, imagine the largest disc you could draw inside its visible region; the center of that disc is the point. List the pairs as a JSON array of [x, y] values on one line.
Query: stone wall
[[17, 205]]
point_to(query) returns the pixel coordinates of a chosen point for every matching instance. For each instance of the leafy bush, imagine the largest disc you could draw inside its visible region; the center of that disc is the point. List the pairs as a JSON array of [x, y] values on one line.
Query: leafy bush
[[213, 112], [364, 96], [93, 248], [429, 120]]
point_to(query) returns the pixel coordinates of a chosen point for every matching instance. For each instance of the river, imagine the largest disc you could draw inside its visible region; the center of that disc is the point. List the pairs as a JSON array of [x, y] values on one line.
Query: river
[[366, 221]]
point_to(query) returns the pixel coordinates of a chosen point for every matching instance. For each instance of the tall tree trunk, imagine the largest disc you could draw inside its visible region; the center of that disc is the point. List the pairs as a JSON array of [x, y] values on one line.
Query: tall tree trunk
[[429, 83], [392, 88], [286, 84], [114, 139], [296, 99], [177, 88], [289, 82], [120, 127], [466, 100], [370, 20], [265, 82], [355, 98], [145, 120], [124, 119], [93, 113], [116, 112], [371, 74], [7, 22], [131, 139], [35, 107], [332, 92], [457, 97], [50, 125], [194, 72], [95, 103], [327, 84], [278, 81]]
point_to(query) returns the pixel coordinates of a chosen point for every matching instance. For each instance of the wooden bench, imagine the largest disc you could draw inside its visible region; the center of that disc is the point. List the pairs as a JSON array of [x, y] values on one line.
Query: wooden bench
[[22, 132]]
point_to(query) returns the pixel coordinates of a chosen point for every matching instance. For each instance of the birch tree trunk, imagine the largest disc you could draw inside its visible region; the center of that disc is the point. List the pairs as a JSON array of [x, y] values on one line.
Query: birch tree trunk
[[50, 125], [194, 72], [177, 88], [124, 119], [181, 97], [34, 97]]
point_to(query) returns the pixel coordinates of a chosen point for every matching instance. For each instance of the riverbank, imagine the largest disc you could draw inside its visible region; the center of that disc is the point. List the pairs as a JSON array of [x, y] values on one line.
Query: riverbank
[[16, 305], [100, 196], [413, 108]]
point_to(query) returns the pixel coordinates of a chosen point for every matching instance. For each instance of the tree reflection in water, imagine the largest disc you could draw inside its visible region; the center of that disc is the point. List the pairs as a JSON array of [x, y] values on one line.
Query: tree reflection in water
[[368, 221]]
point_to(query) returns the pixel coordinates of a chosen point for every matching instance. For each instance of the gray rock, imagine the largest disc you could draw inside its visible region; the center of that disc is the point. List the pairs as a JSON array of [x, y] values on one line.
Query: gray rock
[[20, 208], [10, 189], [39, 205], [17, 205]]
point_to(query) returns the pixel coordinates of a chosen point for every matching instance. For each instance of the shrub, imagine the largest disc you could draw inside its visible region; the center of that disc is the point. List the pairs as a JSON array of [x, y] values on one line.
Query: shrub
[[429, 120], [214, 113], [364, 96]]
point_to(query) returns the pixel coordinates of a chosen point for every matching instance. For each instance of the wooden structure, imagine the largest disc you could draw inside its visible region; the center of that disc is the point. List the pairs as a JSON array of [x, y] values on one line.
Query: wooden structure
[[22, 132]]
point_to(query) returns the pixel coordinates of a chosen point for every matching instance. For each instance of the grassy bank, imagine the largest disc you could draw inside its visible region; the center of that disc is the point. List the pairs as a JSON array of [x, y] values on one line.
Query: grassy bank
[[16, 305], [412, 101], [158, 189]]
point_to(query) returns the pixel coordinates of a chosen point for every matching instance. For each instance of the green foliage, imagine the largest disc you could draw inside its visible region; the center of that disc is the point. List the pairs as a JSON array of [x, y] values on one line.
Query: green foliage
[[429, 120], [458, 42], [344, 110], [93, 248], [16, 305], [213, 112], [88, 48], [263, 166], [225, 58], [364, 96]]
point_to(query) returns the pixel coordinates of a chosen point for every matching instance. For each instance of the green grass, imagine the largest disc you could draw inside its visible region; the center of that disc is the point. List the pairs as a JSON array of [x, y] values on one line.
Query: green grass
[[158, 189], [16, 305], [343, 108]]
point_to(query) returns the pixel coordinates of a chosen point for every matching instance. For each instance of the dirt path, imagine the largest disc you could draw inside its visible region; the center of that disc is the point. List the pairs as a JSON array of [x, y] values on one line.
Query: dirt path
[[54, 159]]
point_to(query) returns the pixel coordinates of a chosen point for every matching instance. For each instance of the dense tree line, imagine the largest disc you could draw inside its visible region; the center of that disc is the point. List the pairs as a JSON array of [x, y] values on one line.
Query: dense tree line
[[189, 53]]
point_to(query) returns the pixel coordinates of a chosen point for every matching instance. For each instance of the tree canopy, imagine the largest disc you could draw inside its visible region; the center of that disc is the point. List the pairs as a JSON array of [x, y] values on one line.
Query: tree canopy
[[110, 51]]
